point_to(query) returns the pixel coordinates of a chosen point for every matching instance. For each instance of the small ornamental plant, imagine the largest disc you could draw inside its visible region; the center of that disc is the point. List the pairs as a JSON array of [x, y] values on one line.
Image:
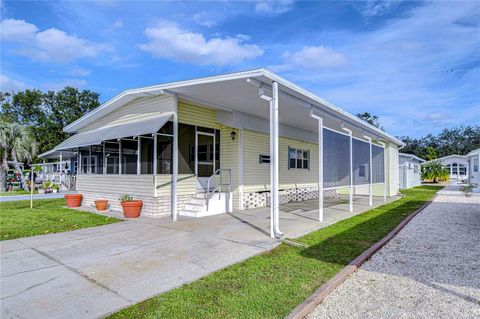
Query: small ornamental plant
[[467, 189], [126, 198], [131, 208]]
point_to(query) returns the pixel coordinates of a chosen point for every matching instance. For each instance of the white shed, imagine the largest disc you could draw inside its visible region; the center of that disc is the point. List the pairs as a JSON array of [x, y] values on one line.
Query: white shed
[[457, 164], [409, 170], [474, 163]]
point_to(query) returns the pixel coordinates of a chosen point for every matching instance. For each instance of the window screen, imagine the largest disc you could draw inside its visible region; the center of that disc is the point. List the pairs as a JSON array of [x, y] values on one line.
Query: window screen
[[378, 164], [361, 162], [336, 159]]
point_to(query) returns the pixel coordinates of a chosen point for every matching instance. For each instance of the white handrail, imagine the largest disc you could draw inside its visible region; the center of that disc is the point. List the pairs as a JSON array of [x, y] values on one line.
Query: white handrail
[[219, 186]]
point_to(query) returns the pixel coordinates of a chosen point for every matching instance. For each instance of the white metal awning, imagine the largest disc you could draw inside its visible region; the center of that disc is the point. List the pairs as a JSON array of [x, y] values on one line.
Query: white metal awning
[[95, 137]]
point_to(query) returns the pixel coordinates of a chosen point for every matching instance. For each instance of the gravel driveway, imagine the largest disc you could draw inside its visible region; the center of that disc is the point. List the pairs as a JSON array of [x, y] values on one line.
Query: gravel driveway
[[431, 269]]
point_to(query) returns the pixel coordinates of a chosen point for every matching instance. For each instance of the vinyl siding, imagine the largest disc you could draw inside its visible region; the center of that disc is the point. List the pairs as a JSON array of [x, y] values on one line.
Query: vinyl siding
[[257, 176], [135, 185], [138, 109], [186, 186], [189, 113], [392, 169]]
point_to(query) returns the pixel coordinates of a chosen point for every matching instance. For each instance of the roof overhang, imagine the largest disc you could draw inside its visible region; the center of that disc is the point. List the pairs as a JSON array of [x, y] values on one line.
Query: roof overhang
[[411, 156], [232, 92]]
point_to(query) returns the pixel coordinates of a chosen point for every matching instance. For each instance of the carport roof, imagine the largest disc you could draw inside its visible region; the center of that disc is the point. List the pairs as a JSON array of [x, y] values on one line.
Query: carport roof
[[232, 92]]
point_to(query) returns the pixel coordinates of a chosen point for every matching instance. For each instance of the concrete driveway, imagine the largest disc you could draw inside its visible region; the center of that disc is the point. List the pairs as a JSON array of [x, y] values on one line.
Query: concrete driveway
[[92, 272]]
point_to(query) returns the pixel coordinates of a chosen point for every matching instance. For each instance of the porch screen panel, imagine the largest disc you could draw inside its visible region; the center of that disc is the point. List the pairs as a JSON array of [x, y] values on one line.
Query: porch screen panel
[[378, 164], [361, 162], [336, 159]]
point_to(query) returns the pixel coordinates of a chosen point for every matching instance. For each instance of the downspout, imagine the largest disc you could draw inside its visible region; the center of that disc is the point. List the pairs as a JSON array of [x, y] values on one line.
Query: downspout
[[370, 181], [384, 171]]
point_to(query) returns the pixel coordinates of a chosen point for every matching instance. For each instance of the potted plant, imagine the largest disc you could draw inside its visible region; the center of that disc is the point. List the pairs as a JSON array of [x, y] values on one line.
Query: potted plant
[[41, 190], [467, 189], [47, 186], [55, 188], [131, 208], [73, 200], [101, 205]]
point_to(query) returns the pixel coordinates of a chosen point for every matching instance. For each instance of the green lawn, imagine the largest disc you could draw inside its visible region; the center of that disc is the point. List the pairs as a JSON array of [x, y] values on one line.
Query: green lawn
[[17, 192], [47, 216], [272, 284]]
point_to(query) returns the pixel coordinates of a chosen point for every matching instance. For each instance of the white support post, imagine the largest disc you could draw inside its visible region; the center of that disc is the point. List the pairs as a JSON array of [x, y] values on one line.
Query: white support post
[[89, 161], [175, 160], [274, 161], [272, 171], [104, 161], [79, 161], [384, 171], [240, 171], [320, 169], [350, 197], [320, 164], [370, 173], [139, 155], [154, 168], [120, 157]]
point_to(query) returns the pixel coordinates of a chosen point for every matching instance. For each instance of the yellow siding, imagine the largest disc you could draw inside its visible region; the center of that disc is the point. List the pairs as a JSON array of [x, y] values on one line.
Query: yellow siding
[[135, 185], [138, 109], [257, 176], [185, 186], [189, 113], [229, 152], [392, 169]]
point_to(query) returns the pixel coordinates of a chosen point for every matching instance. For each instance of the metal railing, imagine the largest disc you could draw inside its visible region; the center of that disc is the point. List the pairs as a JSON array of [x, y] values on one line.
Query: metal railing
[[219, 172], [178, 180]]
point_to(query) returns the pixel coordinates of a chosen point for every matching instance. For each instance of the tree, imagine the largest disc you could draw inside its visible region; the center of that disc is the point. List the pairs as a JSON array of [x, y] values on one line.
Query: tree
[[47, 112], [369, 118], [458, 140], [16, 142], [430, 153], [434, 171]]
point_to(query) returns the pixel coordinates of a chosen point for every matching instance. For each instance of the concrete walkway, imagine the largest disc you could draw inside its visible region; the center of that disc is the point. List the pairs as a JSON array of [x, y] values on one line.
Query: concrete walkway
[[92, 272], [431, 269]]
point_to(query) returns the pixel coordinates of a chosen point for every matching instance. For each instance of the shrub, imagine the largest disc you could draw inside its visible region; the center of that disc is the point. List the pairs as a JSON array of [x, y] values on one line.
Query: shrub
[[435, 171]]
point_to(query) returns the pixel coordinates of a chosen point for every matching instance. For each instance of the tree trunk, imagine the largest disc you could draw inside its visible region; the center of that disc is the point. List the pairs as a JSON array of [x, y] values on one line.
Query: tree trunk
[[3, 174], [19, 169]]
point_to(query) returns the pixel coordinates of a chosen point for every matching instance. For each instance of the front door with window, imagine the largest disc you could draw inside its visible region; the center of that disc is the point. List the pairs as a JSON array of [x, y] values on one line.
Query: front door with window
[[204, 158]]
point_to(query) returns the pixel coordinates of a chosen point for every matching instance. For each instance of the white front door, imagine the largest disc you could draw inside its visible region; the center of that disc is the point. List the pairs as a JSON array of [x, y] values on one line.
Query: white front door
[[204, 158]]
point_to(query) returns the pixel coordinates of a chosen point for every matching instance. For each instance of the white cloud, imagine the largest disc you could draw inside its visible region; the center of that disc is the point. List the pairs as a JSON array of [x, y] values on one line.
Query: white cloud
[[378, 7], [78, 72], [17, 30], [52, 45], [169, 41], [203, 19], [273, 7], [312, 58], [437, 116], [7, 84], [117, 24]]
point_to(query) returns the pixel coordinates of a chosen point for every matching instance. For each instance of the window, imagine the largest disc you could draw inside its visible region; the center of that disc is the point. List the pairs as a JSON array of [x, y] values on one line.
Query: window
[[475, 164], [85, 158], [96, 162], [362, 169], [299, 159], [263, 159], [415, 168]]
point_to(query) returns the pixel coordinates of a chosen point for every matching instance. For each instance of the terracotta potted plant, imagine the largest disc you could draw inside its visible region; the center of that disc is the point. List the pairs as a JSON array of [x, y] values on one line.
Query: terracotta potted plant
[[73, 200], [101, 205], [131, 208]]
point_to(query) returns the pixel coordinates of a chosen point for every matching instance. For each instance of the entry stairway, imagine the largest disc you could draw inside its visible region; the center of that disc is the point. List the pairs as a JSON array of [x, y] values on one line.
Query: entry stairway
[[201, 205]]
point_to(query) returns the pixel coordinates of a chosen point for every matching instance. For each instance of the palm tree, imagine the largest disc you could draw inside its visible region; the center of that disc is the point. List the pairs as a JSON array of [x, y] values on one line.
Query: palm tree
[[434, 171], [17, 142]]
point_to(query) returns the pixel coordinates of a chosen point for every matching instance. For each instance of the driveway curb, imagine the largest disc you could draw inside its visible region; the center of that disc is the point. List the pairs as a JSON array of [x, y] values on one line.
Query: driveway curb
[[305, 308]]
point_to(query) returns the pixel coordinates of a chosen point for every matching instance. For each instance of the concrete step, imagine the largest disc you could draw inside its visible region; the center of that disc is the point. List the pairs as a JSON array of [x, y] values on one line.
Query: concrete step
[[188, 213], [199, 201], [194, 207]]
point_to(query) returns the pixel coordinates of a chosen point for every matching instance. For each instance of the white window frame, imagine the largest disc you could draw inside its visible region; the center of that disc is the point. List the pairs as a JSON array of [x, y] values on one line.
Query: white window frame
[[305, 157]]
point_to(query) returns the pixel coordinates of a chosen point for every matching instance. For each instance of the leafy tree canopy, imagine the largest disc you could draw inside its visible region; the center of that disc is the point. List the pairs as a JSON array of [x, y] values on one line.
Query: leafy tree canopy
[[370, 118], [46, 113], [459, 140]]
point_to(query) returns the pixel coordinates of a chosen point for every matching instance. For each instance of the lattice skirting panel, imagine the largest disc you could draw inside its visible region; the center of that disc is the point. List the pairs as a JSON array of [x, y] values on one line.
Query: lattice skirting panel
[[262, 199]]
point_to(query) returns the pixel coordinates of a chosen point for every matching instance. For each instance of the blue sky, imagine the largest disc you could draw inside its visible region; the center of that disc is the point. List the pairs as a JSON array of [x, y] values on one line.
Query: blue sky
[[416, 65]]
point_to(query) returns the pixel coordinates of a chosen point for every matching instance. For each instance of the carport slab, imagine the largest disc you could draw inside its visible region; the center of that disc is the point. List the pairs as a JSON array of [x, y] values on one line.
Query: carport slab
[[92, 272]]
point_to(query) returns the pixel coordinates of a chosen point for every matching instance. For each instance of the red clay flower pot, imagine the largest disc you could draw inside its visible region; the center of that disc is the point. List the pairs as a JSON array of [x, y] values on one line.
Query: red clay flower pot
[[101, 205], [132, 208], [73, 200]]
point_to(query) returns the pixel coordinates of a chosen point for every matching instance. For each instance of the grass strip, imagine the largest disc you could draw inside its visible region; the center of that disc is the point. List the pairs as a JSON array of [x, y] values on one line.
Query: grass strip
[[47, 216], [272, 284]]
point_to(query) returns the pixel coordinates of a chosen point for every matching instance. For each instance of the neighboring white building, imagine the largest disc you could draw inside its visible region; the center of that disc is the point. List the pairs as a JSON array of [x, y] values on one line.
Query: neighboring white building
[[457, 164], [474, 165], [252, 138], [409, 170]]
